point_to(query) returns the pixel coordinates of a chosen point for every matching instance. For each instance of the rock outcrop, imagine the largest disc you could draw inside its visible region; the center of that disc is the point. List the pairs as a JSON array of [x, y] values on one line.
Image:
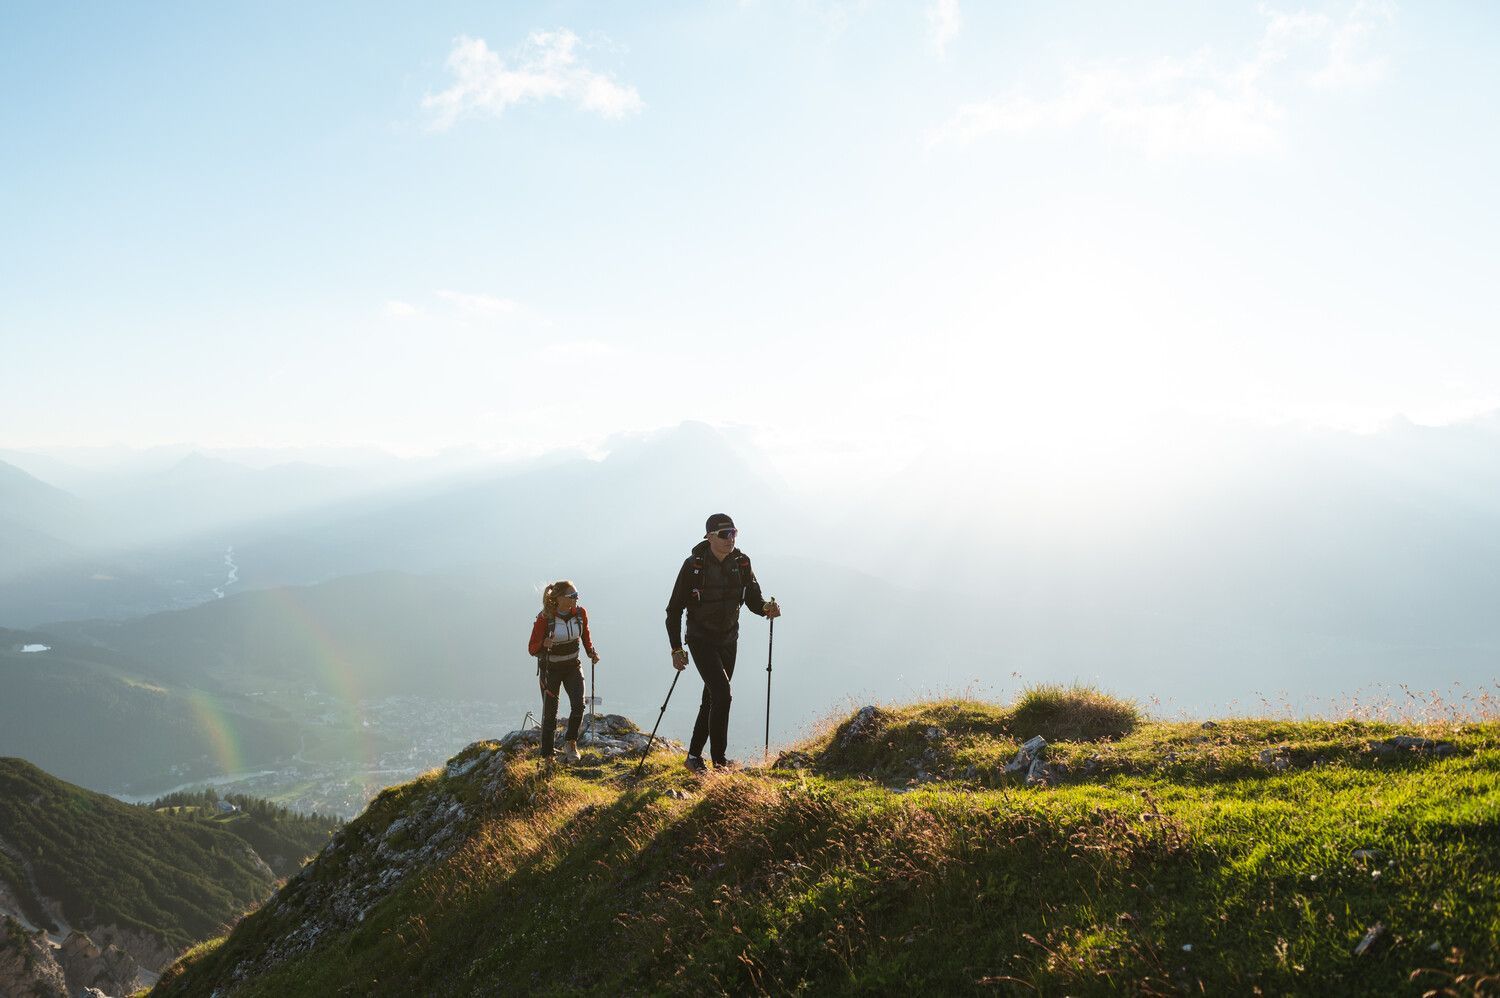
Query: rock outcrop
[[612, 735], [367, 861], [861, 728], [27, 966], [1411, 744], [148, 950], [110, 969]]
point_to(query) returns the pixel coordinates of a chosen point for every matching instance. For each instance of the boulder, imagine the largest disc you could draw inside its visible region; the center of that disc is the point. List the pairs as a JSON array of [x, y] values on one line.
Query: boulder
[[1411, 743], [1026, 755], [1276, 758], [862, 727]]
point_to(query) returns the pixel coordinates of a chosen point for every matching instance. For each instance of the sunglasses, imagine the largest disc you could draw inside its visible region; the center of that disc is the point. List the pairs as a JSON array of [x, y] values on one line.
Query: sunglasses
[[568, 596], [727, 534]]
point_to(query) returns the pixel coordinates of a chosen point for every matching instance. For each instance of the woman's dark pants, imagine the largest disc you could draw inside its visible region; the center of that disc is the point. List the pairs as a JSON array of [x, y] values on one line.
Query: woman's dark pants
[[715, 662], [570, 675]]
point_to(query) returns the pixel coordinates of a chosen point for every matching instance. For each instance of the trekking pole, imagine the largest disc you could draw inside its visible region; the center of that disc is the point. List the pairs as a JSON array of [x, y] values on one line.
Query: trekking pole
[[770, 645], [593, 699], [640, 765]]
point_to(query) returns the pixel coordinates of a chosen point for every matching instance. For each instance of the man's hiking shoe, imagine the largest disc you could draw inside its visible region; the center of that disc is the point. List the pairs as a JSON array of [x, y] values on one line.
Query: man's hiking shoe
[[570, 751], [694, 763], [726, 764]]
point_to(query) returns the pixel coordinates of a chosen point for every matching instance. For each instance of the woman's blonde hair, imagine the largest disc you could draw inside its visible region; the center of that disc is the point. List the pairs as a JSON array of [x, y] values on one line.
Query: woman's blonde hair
[[552, 592]]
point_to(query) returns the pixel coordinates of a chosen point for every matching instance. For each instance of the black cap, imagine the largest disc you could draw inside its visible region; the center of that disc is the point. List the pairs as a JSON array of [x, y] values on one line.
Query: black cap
[[719, 521]]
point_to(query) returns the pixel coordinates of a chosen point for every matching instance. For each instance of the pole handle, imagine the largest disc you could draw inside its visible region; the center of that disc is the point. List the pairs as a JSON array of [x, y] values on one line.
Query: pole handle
[[771, 639]]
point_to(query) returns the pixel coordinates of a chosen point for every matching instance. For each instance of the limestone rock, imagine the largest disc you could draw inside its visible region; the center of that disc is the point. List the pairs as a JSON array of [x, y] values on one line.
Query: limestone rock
[[1277, 758], [1026, 755], [612, 735], [864, 726], [27, 967], [86, 965], [148, 950]]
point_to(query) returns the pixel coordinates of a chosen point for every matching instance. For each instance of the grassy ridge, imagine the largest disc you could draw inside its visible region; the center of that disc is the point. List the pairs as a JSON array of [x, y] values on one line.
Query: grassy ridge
[[1171, 858]]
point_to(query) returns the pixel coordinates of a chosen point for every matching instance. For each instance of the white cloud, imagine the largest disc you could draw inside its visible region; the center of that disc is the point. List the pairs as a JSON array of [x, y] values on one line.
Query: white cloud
[[1354, 56], [545, 68], [401, 310], [834, 16], [479, 306], [1202, 103], [944, 20]]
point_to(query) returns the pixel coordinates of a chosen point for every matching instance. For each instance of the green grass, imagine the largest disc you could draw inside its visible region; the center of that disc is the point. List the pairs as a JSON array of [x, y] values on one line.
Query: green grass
[[1180, 861], [1075, 713]]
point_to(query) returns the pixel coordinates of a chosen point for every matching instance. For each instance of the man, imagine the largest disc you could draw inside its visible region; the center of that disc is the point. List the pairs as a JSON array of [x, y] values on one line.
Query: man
[[711, 585]]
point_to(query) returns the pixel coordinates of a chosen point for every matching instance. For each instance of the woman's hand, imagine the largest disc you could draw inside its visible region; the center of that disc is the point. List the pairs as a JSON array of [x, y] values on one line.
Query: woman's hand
[[594, 657], [547, 643]]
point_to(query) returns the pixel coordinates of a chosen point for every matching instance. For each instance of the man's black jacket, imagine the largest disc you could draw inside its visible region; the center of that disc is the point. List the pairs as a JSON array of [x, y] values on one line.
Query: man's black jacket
[[711, 591]]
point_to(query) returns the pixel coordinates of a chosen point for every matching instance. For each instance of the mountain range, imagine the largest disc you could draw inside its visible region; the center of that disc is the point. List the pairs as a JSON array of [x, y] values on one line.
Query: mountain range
[[1270, 563]]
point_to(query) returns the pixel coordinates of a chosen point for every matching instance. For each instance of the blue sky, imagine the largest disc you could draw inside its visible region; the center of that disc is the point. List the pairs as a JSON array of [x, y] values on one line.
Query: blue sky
[[845, 226]]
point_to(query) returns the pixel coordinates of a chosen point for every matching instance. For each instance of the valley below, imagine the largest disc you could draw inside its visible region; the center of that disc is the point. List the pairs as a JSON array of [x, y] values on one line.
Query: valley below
[[349, 753]]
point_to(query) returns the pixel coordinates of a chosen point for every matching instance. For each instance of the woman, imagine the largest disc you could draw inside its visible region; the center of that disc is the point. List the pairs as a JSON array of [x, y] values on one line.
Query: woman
[[560, 629]]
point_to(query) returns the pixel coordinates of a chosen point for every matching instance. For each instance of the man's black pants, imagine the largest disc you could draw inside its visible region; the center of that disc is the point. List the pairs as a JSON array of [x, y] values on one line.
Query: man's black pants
[[570, 675], [714, 658]]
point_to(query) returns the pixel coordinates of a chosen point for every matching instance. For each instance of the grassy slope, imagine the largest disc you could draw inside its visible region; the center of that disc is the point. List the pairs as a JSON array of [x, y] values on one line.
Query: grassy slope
[[828, 881]]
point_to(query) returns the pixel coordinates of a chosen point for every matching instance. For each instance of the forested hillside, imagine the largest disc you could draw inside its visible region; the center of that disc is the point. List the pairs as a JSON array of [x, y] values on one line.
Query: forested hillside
[[78, 859]]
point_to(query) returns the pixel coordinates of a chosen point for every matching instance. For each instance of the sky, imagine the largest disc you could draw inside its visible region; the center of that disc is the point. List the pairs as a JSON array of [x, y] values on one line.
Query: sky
[[845, 228]]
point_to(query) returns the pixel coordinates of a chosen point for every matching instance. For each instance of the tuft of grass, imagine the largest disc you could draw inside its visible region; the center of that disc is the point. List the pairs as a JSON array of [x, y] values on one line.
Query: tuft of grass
[[1071, 714]]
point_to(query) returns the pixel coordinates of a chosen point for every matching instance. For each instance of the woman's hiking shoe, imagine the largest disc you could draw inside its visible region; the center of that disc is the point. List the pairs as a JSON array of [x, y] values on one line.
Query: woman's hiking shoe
[[726, 764], [570, 751], [694, 763]]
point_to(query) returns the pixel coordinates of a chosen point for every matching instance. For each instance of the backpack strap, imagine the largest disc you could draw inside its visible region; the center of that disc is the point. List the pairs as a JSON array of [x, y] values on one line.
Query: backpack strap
[[698, 565]]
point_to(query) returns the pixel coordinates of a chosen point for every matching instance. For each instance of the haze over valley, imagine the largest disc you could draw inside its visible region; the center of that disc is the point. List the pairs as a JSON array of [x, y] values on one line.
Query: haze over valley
[[313, 656]]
